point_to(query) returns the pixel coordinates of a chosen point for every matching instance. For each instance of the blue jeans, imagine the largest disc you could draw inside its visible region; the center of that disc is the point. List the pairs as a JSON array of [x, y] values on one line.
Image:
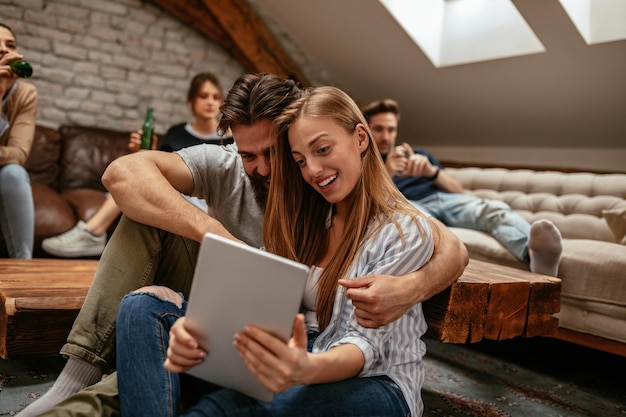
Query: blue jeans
[[17, 211], [489, 216], [146, 388]]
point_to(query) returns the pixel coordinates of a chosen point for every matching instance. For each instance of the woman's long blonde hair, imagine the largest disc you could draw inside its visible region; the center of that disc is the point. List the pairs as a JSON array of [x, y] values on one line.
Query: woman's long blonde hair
[[295, 215]]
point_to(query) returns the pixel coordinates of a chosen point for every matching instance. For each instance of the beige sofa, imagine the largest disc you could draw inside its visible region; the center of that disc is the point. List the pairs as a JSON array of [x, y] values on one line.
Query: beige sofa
[[590, 211]]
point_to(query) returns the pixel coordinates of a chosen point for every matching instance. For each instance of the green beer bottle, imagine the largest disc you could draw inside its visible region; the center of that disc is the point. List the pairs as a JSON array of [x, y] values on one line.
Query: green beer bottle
[[148, 130], [21, 68]]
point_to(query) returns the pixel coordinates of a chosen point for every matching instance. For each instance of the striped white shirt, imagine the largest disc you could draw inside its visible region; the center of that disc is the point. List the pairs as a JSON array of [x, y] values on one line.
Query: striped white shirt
[[395, 350]]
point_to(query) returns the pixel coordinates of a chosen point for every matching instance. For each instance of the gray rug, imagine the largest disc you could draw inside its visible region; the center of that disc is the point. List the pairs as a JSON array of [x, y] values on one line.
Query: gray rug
[[24, 380], [516, 378]]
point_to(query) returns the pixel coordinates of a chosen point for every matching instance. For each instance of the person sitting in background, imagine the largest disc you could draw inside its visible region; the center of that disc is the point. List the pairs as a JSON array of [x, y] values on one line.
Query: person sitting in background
[[17, 131], [332, 207], [423, 180], [205, 96]]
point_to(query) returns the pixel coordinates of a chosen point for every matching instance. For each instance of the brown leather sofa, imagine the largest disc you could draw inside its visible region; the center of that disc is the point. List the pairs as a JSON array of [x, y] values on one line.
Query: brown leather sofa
[[65, 168]]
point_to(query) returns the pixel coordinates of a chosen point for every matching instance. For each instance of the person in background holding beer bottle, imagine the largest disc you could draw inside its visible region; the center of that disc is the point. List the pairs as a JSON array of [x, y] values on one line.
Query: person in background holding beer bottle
[[204, 97], [17, 130]]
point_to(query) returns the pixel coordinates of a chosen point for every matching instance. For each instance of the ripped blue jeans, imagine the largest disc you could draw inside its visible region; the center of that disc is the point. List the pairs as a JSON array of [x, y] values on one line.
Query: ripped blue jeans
[[147, 389]]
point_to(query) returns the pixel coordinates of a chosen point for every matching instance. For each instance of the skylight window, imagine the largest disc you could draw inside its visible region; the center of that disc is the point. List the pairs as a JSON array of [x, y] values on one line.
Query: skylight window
[[453, 32], [598, 20]]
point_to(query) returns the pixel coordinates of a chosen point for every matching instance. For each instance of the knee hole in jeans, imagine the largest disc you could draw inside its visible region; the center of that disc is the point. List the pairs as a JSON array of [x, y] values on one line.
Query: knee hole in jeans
[[164, 293]]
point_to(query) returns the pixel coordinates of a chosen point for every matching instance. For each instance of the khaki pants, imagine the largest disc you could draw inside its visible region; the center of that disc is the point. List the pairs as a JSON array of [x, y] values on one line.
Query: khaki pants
[[136, 255]]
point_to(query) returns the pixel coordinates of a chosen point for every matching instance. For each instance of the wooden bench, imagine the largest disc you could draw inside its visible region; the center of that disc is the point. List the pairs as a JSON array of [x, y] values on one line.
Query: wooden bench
[[40, 298]]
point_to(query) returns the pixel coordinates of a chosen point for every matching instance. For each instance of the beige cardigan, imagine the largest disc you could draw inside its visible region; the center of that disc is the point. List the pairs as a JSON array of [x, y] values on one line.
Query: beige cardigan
[[21, 112]]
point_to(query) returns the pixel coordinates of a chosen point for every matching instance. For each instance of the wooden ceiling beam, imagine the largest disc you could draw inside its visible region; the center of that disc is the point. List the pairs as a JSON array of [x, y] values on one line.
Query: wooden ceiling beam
[[238, 29], [193, 13]]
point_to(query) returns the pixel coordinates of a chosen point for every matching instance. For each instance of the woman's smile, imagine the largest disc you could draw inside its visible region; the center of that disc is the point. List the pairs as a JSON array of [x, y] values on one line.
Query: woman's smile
[[325, 183]]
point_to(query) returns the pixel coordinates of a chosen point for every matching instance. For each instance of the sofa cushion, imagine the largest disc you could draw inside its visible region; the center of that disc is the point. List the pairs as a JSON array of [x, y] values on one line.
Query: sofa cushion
[[593, 288], [484, 247], [572, 201], [84, 201], [43, 160], [87, 153], [616, 219], [593, 317], [53, 215], [593, 270]]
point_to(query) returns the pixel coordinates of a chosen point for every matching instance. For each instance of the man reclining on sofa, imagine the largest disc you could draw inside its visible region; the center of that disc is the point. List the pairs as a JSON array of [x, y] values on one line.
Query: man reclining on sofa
[[422, 179]]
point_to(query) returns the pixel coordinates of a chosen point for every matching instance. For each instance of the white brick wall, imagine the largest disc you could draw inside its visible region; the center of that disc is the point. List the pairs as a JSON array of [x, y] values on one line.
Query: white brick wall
[[101, 63]]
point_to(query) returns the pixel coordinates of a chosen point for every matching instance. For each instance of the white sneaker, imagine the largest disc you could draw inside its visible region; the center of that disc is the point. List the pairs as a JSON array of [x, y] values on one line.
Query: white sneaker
[[76, 242]]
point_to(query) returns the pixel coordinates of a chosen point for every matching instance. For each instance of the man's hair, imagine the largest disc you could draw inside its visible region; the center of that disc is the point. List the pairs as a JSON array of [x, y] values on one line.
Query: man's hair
[[386, 105], [198, 81], [254, 97]]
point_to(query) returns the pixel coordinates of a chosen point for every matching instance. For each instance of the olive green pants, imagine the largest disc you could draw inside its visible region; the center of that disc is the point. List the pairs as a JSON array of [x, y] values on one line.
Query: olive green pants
[[136, 255], [100, 399]]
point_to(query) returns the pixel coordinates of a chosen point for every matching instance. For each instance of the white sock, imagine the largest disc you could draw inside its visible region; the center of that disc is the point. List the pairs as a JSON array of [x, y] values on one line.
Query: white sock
[[544, 248], [76, 375]]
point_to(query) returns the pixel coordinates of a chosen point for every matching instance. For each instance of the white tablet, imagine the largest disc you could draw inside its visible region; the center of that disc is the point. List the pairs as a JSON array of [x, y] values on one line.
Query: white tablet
[[235, 285]]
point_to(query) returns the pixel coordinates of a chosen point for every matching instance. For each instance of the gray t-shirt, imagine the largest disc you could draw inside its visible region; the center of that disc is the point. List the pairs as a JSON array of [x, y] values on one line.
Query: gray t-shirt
[[221, 180]]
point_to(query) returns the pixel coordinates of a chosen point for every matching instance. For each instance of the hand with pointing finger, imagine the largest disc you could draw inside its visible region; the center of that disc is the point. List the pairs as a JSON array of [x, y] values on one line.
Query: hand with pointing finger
[[378, 299]]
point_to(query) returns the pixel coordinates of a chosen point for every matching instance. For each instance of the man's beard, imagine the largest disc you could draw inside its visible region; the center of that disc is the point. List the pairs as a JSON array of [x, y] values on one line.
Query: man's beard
[[260, 189]]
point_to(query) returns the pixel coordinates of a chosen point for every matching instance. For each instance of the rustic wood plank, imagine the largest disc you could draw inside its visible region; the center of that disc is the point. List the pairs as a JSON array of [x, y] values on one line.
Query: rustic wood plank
[[449, 320], [544, 298], [542, 304], [494, 302], [49, 303], [51, 281], [40, 298], [507, 312], [4, 327], [37, 333], [508, 301]]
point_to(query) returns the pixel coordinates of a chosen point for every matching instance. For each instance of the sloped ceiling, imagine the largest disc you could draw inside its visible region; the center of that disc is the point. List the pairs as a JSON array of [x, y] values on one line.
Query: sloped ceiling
[[573, 95]]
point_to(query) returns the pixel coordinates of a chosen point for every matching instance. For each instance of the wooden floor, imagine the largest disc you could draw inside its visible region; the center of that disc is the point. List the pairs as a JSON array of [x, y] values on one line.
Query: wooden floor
[[40, 298]]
